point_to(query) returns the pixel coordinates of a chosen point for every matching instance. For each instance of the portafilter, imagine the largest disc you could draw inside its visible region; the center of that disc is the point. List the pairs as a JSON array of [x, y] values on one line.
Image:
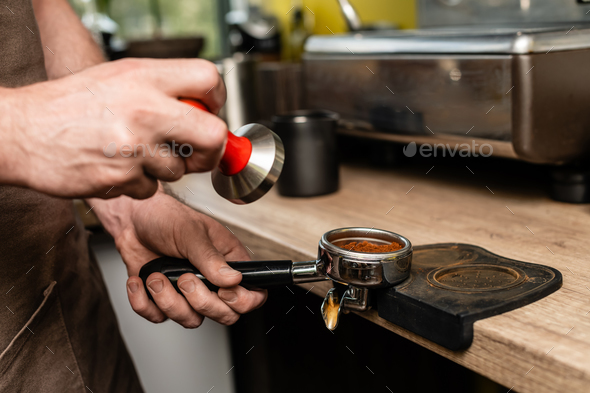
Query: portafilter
[[358, 271]]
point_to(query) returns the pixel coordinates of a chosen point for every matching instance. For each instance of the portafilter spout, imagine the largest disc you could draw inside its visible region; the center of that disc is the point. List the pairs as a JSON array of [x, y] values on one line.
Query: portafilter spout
[[251, 164], [361, 271]]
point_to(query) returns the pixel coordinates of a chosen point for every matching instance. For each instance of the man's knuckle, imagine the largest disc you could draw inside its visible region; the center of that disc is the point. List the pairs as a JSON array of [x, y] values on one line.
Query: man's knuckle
[[113, 179], [143, 116], [204, 305], [248, 306], [177, 169], [140, 309], [128, 64], [193, 323], [229, 320], [218, 133], [210, 254], [144, 190], [158, 319], [210, 71], [166, 305], [124, 137]]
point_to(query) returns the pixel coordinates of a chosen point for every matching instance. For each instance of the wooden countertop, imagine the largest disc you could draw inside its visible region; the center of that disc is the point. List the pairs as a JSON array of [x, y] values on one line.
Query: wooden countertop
[[542, 347]]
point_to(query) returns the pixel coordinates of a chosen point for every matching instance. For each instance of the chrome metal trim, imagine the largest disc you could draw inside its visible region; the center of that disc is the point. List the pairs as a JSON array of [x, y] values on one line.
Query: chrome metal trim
[[309, 271], [361, 269], [456, 40], [355, 299]]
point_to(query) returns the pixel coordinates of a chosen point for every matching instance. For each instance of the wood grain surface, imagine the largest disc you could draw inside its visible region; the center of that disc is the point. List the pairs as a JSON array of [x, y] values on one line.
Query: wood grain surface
[[542, 347]]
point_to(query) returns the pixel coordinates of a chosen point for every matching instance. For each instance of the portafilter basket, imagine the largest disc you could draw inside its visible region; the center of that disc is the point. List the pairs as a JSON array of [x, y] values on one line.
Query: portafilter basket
[[365, 269], [360, 271]]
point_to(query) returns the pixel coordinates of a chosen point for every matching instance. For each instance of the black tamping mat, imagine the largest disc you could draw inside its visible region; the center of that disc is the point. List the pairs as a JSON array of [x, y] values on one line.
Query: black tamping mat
[[453, 285]]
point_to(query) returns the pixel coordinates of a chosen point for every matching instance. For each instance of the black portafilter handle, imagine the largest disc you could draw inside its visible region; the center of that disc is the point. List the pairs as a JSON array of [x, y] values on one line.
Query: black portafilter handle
[[255, 274]]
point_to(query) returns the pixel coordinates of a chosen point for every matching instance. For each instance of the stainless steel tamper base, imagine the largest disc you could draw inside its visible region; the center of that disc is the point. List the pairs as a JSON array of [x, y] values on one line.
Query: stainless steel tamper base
[[261, 172]]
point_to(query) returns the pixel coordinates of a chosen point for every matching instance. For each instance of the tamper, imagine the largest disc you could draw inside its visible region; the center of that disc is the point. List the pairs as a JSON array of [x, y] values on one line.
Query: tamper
[[251, 164]]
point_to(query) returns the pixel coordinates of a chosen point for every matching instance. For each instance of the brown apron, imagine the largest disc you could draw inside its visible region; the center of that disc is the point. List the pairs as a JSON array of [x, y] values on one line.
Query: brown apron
[[58, 331]]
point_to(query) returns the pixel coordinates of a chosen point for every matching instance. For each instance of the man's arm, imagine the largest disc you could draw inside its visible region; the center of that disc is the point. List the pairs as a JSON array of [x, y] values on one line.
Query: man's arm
[[160, 225], [67, 44]]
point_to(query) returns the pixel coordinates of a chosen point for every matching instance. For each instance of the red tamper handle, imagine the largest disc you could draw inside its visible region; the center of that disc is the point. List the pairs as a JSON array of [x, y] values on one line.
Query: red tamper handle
[[237, 150]]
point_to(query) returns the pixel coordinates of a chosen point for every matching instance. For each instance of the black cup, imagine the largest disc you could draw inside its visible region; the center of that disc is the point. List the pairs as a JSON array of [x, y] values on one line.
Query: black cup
[[311, 156]]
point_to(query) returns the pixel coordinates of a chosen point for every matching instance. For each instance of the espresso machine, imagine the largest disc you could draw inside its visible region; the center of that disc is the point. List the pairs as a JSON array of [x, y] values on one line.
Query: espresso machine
[[516, 78]]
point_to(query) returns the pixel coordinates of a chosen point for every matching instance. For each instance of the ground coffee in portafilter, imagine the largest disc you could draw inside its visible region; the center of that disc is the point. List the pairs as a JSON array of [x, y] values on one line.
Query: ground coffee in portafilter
[[365, 246]]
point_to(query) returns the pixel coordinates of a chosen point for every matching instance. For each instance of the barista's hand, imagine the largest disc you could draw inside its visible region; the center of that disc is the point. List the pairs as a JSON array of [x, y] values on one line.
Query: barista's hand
[[65, 137], [144, 230]]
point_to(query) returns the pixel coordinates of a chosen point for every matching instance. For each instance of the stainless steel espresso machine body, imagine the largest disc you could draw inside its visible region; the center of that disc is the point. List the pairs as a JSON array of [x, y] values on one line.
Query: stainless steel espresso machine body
[[522, 90]]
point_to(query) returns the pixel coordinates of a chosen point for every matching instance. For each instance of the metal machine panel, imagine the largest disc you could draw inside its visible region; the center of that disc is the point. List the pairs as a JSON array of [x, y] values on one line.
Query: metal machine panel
[[413, 94], [459, 12]]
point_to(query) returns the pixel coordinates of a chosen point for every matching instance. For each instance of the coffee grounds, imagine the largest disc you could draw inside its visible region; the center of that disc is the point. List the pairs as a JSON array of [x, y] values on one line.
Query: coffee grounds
[[365, 246]]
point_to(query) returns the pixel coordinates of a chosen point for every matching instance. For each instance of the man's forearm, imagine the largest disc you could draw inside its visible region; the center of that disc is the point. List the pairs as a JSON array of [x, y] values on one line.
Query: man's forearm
[[115, 214], [67, 44], [69, 48], [13, 154]]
